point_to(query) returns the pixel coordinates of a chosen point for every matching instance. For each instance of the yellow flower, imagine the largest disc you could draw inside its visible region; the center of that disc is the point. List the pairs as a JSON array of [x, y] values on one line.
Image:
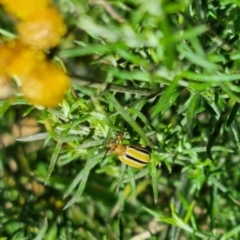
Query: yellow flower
[[42, 82], [17, 58], [6, 56], [23, 9], [43, 29], [45, 85]]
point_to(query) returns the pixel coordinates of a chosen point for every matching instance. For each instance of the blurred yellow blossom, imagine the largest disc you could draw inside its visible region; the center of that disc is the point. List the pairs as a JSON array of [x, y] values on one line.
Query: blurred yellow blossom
[[40, 27], [43, 29], [5, 57], [17, 58], [23, 9], [45, 85], [42, 82]]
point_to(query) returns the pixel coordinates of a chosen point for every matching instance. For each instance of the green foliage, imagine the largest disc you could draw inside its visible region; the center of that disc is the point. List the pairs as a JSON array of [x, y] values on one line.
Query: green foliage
[[164, 73]]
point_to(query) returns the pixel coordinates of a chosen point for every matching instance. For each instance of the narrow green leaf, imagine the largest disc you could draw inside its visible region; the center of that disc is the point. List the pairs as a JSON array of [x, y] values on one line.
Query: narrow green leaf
[[188, 53], [153, 172], [154, 213], [52, 232], [90, 236], [42, 231], [53, 161], [139, 175], [82, 178], [189, 209], [167, 99], [208, 107], [130, 121], [235, 131], [35, 137], [98, 49], [140, 115], [191, 111], [218, 184], [210, 77], [229, 235], [189, 212], [121, 176], [218, 125], [131, 75], [233, 114], [132, 180]]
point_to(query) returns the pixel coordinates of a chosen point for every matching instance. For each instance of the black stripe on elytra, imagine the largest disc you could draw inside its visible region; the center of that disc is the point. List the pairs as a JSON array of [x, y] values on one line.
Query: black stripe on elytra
[[141, 149], [135, 159]]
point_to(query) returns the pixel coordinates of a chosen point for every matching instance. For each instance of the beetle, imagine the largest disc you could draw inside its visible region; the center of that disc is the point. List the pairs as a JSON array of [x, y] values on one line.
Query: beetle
[[134, 156]]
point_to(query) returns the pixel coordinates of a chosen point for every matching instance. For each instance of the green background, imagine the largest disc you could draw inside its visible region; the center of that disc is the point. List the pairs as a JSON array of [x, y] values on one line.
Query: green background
[[164, 73]]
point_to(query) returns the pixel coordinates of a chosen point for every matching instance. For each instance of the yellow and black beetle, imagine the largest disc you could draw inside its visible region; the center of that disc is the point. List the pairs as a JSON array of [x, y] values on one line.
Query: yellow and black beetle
[[134, 156]]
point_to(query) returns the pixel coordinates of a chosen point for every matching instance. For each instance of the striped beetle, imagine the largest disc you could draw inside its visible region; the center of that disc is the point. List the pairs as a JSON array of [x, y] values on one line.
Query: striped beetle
[[134, 156]]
